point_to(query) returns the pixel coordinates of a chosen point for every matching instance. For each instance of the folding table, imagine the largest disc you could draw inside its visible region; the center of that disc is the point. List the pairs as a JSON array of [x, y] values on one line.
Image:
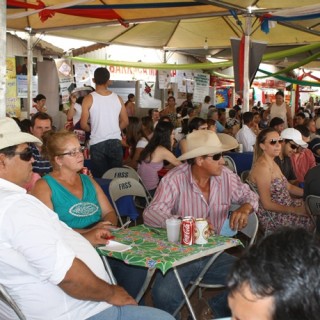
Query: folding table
[[151, 249]]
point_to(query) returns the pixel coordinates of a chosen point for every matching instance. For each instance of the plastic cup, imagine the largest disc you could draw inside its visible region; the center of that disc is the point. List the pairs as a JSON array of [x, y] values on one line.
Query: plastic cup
[[173, 229]]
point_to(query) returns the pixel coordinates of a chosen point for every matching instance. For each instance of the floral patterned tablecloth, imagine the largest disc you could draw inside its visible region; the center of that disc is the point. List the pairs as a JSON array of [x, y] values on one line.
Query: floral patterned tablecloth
[[152, 249]]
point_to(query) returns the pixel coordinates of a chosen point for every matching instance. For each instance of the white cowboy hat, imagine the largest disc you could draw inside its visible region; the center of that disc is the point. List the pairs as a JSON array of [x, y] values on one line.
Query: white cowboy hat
[[203, 142], [11, 135]]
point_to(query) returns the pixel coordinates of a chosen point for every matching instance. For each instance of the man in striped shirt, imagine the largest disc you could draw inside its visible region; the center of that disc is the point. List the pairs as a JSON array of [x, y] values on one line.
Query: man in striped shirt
[[40, 123], [203, 188]]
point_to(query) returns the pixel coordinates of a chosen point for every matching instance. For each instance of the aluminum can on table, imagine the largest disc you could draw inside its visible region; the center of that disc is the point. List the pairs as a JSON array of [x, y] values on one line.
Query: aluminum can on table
[[201, 231], [187, 231]]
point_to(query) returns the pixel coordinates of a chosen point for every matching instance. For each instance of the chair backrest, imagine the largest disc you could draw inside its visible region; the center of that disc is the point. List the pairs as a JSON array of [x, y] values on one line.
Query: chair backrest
[[244, 175], [229, 162], [6, 298], [313, 207], [120, 187], [120, 173], [251, 228], [125, 172]]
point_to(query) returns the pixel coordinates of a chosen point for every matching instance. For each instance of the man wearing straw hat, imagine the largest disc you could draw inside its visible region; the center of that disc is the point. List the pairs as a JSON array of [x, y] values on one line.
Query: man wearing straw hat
[[203, 188], [41, 257]]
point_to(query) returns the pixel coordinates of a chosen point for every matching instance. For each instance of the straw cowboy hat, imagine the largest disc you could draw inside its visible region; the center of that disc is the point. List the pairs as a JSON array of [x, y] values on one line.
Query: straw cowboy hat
[[11, 135], [203, 142]]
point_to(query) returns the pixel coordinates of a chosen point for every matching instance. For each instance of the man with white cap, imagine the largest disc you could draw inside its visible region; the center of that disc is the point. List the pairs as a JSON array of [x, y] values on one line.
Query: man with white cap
[[203, 188], [51, 271], [292, 141]]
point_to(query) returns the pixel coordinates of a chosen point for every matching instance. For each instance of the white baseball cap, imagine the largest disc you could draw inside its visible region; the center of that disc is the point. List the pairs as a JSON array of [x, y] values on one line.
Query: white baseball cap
[[295, 136]]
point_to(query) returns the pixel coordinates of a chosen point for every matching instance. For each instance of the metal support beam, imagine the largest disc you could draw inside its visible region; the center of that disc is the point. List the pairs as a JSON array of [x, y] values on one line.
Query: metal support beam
[[3, 53], [30, 72], [246, 80]]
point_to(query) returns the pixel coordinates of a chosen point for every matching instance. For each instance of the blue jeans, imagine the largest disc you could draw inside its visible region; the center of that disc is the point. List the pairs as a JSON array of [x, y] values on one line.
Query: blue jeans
[[167, 294], [131, 313], [130, 278], [105, 155]]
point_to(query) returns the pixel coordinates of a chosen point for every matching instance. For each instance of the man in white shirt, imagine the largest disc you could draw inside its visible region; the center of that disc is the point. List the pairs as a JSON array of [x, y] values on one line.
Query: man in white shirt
[[51, 271], [108, 116], [245, 135]]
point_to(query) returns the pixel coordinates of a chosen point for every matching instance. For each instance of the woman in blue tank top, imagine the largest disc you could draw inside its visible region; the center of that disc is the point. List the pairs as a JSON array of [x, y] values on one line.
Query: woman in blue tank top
[[76, 198]]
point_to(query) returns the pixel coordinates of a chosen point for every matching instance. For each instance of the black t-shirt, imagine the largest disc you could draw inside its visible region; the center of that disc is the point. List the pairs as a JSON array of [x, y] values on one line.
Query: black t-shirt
[[286, 167]]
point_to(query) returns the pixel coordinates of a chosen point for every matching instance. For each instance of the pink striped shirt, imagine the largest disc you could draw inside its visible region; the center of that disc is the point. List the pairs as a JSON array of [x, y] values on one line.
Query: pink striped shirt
[[178, 194]]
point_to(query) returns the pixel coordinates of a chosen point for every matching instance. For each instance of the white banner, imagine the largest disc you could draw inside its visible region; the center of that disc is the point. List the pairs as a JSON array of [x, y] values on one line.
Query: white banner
[[201, 87]]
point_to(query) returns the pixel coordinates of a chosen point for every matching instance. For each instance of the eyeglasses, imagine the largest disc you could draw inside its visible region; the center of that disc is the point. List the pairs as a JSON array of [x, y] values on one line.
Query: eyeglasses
[[25, 155], [275, 141], [72, 153], [216, 157]]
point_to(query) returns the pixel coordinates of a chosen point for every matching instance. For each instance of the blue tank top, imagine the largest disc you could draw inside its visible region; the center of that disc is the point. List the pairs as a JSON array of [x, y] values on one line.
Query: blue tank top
[[76, 213]]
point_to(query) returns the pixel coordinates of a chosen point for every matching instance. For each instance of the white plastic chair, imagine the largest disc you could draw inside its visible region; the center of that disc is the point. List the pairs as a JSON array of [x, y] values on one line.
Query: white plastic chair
[[120, 187], [229, 163], [6, 298]]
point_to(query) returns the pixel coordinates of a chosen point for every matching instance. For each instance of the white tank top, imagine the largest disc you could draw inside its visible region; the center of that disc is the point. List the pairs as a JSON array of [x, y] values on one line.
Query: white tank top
[[280, 112], [104, 118]]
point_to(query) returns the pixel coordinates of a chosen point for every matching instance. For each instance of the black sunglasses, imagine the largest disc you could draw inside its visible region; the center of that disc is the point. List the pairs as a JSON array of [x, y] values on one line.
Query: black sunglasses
[[293, 146], [25, 155], [275, 141], [216, 157]]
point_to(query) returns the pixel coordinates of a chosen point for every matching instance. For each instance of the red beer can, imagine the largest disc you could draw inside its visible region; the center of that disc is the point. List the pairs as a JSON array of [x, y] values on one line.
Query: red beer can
[[85, 171], [187, 231]]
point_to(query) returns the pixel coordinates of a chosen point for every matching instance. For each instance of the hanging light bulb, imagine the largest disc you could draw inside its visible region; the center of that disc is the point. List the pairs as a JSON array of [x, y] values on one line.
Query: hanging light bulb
[[205, 46]]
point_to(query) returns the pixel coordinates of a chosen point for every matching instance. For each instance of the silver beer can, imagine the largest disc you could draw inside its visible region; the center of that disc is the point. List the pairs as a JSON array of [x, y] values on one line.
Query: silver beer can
[[201, 231]]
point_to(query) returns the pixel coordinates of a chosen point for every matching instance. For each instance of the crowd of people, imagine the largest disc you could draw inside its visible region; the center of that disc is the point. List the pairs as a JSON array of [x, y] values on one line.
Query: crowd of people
[[53, 215]]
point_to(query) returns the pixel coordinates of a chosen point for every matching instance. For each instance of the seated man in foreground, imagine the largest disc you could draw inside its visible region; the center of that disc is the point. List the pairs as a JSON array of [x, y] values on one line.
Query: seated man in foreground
[[203, 188], [41, 257], [278, 279]]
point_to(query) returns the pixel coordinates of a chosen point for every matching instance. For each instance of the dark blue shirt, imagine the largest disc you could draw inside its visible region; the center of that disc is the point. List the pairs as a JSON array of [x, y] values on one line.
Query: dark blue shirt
[[40, 165]]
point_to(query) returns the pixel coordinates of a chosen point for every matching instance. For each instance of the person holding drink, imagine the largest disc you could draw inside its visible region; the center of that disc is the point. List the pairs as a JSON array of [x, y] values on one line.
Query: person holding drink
[[202, 188]]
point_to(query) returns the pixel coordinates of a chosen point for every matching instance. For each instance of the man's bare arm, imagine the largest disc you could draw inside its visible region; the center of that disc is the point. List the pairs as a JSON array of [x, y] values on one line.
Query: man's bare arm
[[86, 105], [81, 283]]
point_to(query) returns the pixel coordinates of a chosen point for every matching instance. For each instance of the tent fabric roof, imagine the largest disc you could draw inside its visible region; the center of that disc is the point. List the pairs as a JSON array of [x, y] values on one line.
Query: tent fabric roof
[[164, 24]]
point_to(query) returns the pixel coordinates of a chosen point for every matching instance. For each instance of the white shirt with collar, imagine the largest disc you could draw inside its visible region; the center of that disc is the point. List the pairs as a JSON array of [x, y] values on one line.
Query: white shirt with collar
[[247, 138], [36, 251]]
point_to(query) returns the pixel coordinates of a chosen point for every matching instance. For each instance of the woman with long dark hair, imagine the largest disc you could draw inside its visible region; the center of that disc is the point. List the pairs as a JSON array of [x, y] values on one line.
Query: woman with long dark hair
[[155, 153]]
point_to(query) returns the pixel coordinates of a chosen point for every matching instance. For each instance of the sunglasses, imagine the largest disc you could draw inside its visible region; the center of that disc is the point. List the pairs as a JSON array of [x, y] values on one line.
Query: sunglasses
[[275, 141], [293, 146], [216, 157], [72, 153], [25, 155]]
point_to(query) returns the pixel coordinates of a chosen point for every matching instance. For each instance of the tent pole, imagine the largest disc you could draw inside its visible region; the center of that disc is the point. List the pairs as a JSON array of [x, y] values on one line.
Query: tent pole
[[3, 68], [246, 80], [30, 71]]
